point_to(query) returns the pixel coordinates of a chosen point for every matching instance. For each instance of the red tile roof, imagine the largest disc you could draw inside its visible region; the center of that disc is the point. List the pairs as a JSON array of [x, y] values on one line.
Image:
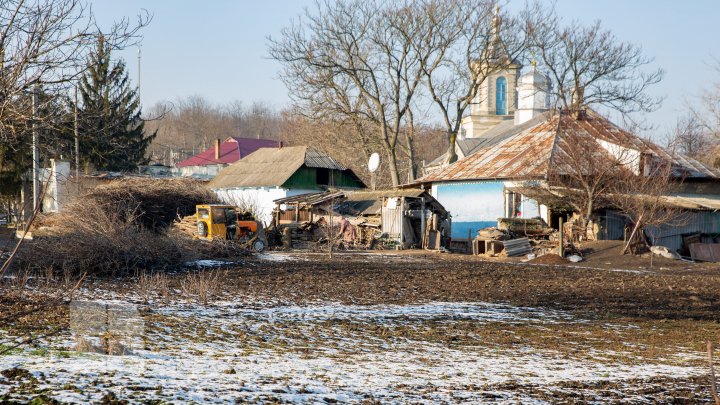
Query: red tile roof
[[231, 150]]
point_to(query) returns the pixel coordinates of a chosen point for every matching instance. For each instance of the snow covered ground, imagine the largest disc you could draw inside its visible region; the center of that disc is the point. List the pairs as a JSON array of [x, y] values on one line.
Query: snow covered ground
[[239, 351]]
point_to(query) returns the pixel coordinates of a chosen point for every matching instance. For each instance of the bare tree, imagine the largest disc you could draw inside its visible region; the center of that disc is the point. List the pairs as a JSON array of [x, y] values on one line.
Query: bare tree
[[356, 59], [589, 65], [189, 125], [43, 46], [582, 171], [707, 118], [642, 196], [470, 41], [690, 137]]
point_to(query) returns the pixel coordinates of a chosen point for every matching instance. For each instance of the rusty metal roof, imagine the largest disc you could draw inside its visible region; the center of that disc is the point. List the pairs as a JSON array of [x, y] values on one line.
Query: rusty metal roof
[[529, 154], [523, 155]]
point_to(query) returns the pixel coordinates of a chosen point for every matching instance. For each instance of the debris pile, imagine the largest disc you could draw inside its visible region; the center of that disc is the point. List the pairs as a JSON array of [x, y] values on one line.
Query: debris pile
[[502, 241], [383, 219], [120, 228]]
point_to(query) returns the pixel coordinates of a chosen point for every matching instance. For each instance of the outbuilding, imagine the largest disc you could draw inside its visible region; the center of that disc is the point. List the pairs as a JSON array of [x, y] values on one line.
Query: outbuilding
[[268, 174]]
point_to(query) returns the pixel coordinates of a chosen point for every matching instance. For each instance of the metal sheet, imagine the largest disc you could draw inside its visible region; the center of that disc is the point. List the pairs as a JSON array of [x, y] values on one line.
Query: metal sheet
[[706, 252]]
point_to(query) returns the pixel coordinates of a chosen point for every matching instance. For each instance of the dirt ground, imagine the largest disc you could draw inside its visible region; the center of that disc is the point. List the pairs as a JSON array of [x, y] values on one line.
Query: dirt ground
[[624, 315], [671, 290]]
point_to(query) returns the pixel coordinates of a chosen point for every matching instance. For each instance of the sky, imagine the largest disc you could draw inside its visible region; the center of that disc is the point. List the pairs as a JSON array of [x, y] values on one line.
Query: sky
[[218, 49]]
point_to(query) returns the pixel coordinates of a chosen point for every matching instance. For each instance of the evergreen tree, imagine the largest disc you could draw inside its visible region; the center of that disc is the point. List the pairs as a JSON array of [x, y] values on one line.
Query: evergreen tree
[[112, 134]]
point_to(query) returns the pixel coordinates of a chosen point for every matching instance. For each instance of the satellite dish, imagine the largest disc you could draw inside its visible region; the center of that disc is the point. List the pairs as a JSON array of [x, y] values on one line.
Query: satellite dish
[[373, 162]]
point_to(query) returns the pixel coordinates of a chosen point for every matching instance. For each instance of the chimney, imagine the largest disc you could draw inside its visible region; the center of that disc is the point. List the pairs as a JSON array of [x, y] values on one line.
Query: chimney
[[217, 149]]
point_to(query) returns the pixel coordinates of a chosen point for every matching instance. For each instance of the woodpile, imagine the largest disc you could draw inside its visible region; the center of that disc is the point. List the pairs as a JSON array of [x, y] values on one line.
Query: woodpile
[[187, 225]]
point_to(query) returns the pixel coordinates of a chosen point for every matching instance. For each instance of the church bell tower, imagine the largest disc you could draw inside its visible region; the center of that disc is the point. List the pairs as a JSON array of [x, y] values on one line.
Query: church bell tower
[[496, 96]]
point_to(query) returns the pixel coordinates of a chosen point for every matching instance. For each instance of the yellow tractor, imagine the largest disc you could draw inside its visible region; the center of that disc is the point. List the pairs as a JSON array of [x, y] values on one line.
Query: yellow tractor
[[216, 221]]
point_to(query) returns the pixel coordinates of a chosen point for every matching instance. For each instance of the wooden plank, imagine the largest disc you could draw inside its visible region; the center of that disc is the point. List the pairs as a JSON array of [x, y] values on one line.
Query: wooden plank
[[705, 252]]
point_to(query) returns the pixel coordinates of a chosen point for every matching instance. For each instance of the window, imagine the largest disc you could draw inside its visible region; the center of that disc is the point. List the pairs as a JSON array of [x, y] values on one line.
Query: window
[[501, 96], [218, 215]]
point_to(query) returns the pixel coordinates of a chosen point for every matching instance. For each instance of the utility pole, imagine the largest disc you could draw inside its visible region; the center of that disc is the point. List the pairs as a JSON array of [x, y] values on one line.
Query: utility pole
[[77, 140], [139, 73], [35, 151]]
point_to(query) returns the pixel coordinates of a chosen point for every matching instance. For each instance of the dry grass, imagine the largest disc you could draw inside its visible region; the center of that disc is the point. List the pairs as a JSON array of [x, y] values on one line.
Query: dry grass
[[201, 285], [151, 285]]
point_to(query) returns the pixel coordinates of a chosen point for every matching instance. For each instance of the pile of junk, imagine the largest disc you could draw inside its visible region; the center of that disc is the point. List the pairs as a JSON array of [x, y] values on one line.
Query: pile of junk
[[359, 219], [516, 237]]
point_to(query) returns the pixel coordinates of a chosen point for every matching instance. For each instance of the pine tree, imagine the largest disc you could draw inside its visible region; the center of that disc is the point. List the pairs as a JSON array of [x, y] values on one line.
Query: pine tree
[[112, 134]]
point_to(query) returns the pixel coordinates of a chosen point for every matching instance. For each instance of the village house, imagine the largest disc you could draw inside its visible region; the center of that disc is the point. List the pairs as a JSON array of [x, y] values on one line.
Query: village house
[[207, 164], [268, 174], [490, 179], [512, 138]]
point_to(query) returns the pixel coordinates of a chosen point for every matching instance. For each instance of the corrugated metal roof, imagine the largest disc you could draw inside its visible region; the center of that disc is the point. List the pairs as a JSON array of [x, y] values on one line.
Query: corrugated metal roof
[[530, 153], [361, 202], [694, 201], [523, 155], [272, 167], [313, 158], [493, 136], [311, 198], [369, 195]]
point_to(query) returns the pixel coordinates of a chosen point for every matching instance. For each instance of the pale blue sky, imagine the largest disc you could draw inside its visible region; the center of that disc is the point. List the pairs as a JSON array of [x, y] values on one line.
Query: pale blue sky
[[217, 49]]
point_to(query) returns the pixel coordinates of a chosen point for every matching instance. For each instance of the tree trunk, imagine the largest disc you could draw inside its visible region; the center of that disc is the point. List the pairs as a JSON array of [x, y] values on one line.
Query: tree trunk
[[452, 156], [585, 219], [409, 144], [392, 166], [412, 168]]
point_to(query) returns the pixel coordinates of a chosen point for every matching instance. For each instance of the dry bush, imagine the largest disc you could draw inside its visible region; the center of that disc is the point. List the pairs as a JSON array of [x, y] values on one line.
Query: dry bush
[[150, 285], [201, 285], [97, 242], [151, 204], [119, 229]]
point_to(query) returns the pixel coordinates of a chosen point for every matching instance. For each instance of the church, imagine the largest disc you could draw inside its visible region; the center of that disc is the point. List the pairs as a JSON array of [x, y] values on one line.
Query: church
[[512, 137]]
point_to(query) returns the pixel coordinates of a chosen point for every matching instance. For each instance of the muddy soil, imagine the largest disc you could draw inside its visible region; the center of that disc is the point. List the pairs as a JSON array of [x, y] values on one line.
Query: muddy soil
[[692, 293], [669, 308]]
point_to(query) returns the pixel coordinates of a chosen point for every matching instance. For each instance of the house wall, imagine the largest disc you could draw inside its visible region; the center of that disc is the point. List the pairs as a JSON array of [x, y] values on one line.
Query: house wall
[[477, 205], [307, 178], [472, 201], [57, 178], [259, 200]]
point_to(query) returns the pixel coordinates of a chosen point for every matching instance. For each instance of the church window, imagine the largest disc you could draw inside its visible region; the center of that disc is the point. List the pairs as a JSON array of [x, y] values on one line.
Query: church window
[[501, 96]]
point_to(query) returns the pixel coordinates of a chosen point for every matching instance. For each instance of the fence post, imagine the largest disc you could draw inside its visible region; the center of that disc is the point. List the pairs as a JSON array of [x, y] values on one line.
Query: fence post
[[562, 239]]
